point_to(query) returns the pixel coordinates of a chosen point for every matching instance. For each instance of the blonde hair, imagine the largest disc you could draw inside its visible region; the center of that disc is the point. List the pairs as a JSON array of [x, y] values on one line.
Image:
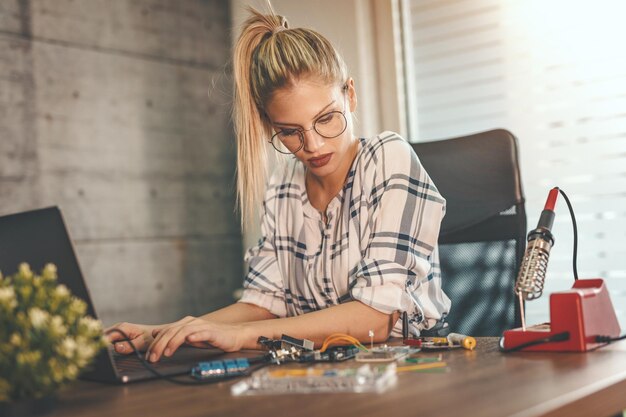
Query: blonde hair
[[269, 56]]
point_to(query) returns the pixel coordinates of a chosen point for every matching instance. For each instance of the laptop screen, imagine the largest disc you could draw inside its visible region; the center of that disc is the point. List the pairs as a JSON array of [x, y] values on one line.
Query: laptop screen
[[39, 237]]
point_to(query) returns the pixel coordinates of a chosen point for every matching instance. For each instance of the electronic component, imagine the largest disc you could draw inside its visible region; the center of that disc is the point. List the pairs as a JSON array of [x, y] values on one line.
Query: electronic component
[[424, 367], [452, 341], [406, 339], [414, 358], [304, 344], [221, 368], [385, 353], [364, 378], [332, 354], [286, 348]]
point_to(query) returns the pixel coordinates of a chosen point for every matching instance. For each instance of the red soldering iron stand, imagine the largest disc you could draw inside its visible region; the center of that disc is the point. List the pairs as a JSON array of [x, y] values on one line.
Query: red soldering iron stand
[[585, 311]]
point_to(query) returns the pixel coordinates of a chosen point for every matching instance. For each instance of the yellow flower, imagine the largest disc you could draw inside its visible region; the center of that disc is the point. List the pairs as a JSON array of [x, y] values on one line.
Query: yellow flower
[[77, 307], [38, 317], [92, 325], [56, 370], [7, 297], [57, 327], [30, 358], [49, 272], [71, 371], [15, 339], [24, 270], [49, 338], [62, 291], [5, 387], [86, 351], [67, 347]]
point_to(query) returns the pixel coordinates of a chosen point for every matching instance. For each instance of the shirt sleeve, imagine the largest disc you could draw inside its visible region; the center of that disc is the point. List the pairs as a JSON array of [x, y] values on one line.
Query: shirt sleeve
[[405, 212], [263, 284]]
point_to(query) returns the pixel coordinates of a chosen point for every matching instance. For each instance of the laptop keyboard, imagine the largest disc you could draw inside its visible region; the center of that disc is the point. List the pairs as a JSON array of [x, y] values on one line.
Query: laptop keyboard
[[126, 364]]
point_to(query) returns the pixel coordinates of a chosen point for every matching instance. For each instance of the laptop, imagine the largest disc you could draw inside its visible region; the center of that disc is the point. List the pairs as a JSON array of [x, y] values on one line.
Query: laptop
[[39, 237]]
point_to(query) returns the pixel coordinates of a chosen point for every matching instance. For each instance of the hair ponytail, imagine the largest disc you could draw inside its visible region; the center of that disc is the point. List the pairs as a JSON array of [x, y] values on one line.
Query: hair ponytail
[[268, 55], [250, 128]]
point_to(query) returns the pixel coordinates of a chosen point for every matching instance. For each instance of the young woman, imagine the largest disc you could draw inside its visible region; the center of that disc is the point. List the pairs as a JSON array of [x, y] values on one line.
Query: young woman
[[349, 226]]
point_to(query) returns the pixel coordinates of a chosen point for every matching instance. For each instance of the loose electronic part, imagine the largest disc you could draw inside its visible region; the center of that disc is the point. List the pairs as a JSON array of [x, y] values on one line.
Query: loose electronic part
[[385, 353], [332, 354], [406, 339], [286, 342], [424, 367], [364, 378], [221, 368], [285, 349], [452, 341], [289, 349], [415, 358], [437, 343]]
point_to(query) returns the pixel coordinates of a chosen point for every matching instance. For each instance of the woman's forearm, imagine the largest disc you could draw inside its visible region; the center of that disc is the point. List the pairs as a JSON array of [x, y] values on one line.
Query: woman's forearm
[[353, 318], [238, 313], [223, 330]]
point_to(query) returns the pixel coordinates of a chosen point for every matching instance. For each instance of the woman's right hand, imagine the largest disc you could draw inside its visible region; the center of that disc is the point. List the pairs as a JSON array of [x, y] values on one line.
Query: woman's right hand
[[139, 334]]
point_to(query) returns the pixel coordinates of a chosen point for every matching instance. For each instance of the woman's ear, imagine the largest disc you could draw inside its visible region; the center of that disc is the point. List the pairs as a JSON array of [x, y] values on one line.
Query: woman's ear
[[351, 94]]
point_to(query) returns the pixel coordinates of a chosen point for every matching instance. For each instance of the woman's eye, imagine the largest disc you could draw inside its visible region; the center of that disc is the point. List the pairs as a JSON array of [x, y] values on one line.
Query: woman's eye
[[288, 132], [325, 119]]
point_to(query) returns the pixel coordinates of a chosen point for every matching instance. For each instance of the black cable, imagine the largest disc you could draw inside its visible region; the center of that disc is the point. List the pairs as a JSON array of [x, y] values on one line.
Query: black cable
[[559, 337], [598, 339], [609, 339], [260, 359], [571, 212]]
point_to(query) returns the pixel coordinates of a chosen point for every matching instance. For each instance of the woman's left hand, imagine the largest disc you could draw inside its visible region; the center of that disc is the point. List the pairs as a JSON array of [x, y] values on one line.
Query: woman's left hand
[[195, 332]]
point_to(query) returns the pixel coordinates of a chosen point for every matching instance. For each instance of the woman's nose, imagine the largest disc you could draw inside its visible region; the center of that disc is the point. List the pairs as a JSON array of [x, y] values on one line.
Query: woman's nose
[[312, 141]]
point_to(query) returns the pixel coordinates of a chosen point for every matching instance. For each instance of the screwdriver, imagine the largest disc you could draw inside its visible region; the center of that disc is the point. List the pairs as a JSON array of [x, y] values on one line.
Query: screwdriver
[[455, 339], [468, 342]]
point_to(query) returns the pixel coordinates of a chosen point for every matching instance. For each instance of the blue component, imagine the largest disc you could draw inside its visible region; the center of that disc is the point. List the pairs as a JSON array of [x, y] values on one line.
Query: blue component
[[243, 364], [230, 365], [220, 368]]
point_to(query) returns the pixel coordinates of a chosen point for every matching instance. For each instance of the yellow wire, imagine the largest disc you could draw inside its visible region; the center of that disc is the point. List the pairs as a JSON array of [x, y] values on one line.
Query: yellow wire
[[351, 339], [336, 337], [421, 366], [337, 342], [340, 337]]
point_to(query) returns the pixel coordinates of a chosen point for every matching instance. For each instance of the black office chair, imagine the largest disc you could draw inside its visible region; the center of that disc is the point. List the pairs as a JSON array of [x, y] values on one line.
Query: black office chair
[[482, 237]]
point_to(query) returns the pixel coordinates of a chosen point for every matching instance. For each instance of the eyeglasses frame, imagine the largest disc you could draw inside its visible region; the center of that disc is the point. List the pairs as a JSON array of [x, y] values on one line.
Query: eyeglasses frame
[[301, 131]]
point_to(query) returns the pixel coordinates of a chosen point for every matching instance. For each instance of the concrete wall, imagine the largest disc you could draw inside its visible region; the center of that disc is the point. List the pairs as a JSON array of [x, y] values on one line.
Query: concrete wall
[[118, 112]]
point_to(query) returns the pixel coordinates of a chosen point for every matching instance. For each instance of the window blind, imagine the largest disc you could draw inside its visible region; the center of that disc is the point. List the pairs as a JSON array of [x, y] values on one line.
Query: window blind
[[554, 74]]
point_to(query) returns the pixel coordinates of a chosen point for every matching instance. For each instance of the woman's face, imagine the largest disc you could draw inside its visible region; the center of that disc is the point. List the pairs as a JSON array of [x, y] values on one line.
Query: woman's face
[[306, 103]]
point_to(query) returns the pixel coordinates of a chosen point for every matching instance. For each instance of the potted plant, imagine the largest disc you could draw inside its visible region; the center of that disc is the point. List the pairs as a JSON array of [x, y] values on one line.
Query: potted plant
[[45, 339]]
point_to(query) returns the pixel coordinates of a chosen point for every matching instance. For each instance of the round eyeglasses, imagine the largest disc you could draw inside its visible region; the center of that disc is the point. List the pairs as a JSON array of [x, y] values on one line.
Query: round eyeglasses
[[328, 126]]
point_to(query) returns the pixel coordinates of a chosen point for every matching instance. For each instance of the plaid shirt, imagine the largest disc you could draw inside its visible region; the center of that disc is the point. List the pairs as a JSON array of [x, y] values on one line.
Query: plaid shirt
[[378, 246]]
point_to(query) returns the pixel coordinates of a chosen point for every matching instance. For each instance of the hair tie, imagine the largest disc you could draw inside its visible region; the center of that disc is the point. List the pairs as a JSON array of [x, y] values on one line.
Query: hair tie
[[283, 25], [278, 29]]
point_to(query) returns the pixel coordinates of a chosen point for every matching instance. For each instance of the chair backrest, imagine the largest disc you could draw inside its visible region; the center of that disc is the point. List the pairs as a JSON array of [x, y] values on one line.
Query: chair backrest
[[482, 237]]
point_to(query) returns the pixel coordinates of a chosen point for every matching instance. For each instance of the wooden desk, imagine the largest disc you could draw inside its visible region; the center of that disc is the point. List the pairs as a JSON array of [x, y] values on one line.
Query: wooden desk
[[481, 383]]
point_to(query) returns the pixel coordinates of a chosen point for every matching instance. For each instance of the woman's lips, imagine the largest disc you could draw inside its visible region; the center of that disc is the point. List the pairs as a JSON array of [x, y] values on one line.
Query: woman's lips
[[320, 161]]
